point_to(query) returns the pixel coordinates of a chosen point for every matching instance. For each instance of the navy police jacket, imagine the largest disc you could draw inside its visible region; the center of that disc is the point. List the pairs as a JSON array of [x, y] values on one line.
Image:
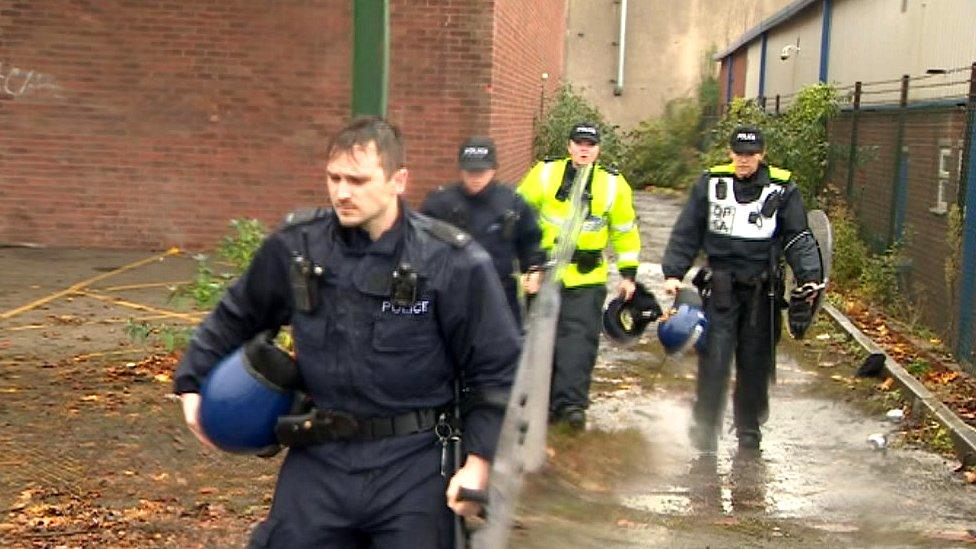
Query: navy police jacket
[[724, 217], [358, 352], [499, 220]]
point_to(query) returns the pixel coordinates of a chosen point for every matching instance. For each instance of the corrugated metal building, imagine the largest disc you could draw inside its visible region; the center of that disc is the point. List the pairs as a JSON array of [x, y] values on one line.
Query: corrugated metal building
[[844, 41]]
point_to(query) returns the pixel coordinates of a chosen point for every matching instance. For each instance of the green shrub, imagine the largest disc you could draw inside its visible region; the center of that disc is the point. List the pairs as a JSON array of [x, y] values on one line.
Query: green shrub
[[795, 140], [236, 250], [878, 283], [849, 253], [664, 151], [171, 338], [567, 108]]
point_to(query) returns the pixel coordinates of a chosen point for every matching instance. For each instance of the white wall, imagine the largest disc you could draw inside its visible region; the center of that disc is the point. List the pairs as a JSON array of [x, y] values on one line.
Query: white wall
[[874, 40], [667, 41], [753, 65], [803, 67]]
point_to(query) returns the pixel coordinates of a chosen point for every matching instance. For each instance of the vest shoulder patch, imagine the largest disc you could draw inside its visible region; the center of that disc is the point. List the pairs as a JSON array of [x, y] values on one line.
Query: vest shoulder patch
[[779, 174], [611, 169]]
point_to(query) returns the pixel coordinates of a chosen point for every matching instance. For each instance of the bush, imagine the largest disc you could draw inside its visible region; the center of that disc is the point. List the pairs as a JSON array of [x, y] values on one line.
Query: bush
[[878, 283], [849, 253], [664, 151], [237, 250], [567, 108], [795, 140]]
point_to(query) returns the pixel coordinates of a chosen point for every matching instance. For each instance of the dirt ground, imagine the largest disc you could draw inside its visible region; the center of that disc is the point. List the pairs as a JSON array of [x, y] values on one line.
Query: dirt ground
[[93, 451]]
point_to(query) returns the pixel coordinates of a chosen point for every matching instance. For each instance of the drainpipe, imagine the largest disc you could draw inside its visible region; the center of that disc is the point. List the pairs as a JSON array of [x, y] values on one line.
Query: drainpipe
[[618, 87]]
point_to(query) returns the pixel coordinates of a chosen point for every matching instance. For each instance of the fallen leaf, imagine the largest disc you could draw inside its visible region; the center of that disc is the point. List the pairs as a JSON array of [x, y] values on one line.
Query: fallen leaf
[[970, 477], [208, 490], [823, 337], [886, 384], [90, 398], [162, 378]]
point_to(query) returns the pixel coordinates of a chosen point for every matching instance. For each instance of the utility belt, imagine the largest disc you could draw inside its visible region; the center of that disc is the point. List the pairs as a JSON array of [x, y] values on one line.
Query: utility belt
[[719, 285], [587, 260], [321, 426]]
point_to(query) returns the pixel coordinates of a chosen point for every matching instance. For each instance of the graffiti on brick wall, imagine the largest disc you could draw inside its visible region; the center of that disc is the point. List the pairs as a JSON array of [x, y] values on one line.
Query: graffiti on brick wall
[[16, 82]]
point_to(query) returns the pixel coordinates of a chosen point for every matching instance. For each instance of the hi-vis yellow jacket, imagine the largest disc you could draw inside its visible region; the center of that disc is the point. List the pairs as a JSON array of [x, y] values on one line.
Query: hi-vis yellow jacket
[[611, 217]]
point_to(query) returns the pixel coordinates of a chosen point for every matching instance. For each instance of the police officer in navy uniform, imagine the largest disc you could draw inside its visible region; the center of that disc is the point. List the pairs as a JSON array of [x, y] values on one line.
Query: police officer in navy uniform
[[493, 214], [388, 309], [745, 215]]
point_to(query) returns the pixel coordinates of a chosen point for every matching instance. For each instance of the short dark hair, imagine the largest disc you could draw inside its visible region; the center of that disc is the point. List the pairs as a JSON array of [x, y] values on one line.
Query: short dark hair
[[364, 130]]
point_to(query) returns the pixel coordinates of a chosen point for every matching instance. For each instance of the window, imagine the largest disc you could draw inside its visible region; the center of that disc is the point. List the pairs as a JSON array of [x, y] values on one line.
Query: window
[[942, 184]]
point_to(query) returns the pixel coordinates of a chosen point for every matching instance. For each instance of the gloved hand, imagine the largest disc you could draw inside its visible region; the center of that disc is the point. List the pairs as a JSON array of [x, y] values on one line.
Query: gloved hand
[[808, 292]]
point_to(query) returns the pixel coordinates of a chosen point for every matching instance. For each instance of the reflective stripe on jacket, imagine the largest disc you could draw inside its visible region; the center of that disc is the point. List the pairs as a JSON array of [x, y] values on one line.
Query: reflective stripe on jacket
[[611, 217]]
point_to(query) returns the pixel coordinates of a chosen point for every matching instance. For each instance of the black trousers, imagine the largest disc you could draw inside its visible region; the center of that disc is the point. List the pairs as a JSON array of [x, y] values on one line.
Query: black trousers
[[741, 331], [401, 506], [577, 340]]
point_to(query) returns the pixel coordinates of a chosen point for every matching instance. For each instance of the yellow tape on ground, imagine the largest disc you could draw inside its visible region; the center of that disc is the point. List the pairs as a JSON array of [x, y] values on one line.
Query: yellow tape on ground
[[187, 317], [84, 284]]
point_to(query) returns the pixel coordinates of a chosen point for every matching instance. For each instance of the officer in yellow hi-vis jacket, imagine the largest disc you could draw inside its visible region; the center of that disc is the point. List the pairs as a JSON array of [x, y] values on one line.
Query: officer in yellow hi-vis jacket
[[610, 219]]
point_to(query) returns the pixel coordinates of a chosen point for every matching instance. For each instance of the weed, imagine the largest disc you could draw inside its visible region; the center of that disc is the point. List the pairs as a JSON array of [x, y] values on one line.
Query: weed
[[236, 249], [919, 367], [171, 338]]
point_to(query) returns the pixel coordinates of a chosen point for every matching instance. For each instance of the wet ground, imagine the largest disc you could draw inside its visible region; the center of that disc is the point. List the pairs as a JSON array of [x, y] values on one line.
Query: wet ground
[[817, 481], [93, 453]]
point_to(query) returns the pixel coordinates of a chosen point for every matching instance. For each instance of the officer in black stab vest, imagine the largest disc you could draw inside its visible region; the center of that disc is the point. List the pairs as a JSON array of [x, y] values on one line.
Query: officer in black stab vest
[[388, 309], [745, 215], [493, 214]]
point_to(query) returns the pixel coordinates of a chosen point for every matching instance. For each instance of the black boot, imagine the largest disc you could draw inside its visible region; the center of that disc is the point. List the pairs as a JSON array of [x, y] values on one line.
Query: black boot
[[749, 439], [703, 437], [576, 418]]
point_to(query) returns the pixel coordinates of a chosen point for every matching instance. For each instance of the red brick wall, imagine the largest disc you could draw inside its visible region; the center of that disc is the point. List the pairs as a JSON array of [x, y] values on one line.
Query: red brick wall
[[149, 124], [132, 124], [529, 39], [738, 62], [440, 69]]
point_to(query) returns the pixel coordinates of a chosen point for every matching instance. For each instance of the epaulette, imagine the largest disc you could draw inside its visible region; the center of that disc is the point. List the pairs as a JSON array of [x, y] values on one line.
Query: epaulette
[[448, 233], [780, 175], [303, 215], [552, 158], [722, 169], [612, 169]]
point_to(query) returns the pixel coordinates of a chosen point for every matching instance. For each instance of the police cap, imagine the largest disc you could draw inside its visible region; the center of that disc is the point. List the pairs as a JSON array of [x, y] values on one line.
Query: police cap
[[476, 154], [585, 131], [747, 140]]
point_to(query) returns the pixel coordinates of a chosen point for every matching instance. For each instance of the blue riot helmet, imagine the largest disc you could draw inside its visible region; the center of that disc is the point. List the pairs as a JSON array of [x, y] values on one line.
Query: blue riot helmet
[[241, 399], [624, 321], [685, 326]]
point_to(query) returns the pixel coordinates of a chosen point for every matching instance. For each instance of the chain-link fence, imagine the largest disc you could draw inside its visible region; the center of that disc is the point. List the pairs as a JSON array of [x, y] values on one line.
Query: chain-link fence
[[900, 157]]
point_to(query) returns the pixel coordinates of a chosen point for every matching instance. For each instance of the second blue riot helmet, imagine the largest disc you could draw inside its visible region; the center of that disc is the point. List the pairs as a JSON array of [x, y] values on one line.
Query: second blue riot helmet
[[242, 398], [686, 325]]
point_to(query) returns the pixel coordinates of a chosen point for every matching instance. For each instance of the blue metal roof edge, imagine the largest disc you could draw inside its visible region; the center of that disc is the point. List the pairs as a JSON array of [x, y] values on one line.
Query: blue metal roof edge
[[775, 20]]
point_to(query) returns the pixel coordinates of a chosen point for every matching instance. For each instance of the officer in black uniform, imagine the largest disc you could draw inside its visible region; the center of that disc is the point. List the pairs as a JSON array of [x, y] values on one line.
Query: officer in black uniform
[[745, 215], [493, 214], [388, 309]]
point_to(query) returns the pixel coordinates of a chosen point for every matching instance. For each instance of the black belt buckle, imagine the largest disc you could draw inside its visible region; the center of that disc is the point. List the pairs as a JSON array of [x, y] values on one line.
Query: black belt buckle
[[339, 425]]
